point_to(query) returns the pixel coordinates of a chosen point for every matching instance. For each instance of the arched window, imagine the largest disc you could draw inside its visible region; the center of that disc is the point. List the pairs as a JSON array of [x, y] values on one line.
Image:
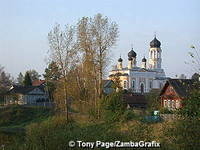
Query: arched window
[[142, 88], [133, 84], [125, 84]]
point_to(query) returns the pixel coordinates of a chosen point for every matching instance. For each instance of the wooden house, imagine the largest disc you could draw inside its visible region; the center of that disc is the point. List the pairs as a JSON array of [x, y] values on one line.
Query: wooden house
[[174, 92], [26, 95]]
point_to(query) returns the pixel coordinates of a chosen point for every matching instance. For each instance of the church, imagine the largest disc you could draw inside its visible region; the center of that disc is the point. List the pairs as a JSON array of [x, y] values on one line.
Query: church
[[141, 79]]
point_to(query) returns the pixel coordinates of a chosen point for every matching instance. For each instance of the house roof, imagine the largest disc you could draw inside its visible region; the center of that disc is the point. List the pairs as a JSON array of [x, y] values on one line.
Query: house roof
[[23, 89], [38, 82], [181, 86], [135, 100]]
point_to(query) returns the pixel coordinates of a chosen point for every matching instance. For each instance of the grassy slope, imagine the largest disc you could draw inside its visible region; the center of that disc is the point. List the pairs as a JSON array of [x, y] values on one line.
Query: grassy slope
[[15, 118]]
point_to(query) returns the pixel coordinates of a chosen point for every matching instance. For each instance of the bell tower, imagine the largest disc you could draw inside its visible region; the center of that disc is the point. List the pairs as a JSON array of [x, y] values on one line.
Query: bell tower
[[155, 54]]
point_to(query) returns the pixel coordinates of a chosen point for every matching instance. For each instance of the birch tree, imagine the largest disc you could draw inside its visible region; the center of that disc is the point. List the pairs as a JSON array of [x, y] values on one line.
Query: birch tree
[[63, 52], [97, 36]]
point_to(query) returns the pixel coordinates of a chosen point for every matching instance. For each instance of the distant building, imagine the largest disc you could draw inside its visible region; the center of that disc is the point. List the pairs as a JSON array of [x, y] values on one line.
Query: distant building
[[25, 95], [143, 79], [174, 92]]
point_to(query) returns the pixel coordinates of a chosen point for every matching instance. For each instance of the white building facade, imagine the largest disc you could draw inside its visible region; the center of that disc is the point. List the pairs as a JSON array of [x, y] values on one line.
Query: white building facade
[[141, 79]]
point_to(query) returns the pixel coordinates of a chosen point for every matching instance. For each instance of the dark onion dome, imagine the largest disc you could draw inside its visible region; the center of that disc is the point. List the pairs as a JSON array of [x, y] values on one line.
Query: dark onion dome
[[144, 60], [155, 43], [132, 53], [130, 58], [120, 59]]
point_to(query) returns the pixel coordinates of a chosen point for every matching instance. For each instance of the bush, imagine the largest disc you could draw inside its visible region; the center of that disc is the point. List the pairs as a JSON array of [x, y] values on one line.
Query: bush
[[113, 107], [165, 111], [183, 134], [55, 133], [191, 105], [127, 116], [49, 135], [20, 115]]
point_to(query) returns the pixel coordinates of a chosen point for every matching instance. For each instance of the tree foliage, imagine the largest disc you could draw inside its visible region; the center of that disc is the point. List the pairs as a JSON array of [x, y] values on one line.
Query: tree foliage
[[20, 79], [153, 100], [5, 81], [52, 76], [191, 105], [34, 75], [27, 80], [113, 107], [63, 52], [96, 36], [195, 59]]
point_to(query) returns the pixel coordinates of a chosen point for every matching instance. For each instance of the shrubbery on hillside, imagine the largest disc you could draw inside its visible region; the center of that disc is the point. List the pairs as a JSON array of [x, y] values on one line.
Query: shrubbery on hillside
[[114, 109], [20, 115]]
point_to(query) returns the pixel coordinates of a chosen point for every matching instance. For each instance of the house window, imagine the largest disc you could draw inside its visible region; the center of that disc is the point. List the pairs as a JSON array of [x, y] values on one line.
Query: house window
[[165, 103], [142, 88], [125, 84], [150, 84], [161, 85]]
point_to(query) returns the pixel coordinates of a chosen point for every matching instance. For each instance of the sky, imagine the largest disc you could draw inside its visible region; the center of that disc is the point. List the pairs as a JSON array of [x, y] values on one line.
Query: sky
[[24, 25]]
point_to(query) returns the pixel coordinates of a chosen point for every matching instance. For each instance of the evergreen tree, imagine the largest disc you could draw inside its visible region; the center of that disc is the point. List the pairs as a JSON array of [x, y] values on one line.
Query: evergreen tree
[[5, 80], [34, 75], [27, 80], [195, 76], [20, 79], [52, 75]]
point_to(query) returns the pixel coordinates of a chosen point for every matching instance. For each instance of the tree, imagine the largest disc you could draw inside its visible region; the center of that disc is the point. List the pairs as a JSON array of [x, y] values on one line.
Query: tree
[[96, 37], [195, 59], [153, 100], [117, 83], [105, 35], [34, 75], [5, 81], [27, 80], [20, 79], [191, 105], [184, 133], [113, 106], [52, 75], [196, 76], [64, 53]]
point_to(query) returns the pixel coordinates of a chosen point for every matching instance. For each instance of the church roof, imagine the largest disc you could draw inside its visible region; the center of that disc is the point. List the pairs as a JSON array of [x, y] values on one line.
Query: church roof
[[132, 53], [144, 60], [155, 43]]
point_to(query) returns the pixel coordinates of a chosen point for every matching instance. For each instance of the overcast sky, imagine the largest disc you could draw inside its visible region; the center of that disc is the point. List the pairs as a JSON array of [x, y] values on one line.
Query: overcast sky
[[24, 25]]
